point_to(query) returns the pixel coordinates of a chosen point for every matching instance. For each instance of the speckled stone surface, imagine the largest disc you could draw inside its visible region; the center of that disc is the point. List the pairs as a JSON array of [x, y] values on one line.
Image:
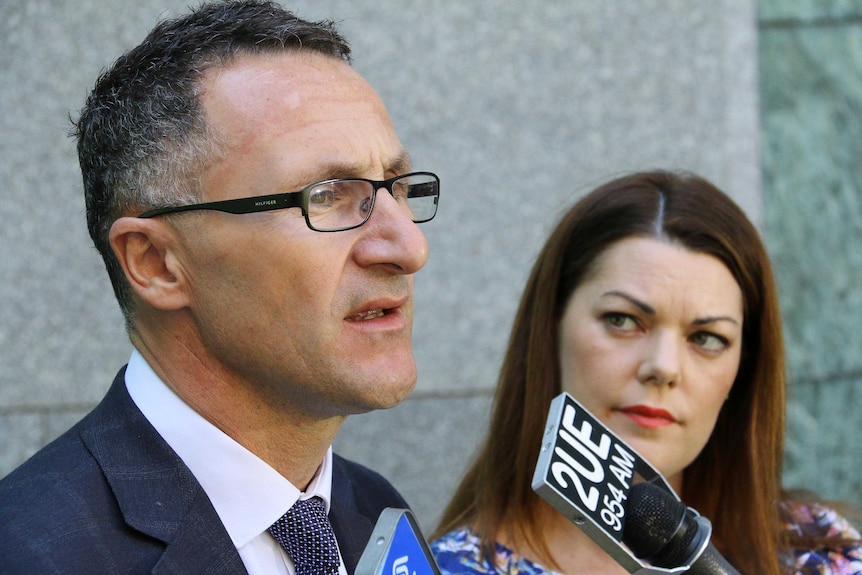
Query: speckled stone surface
[[519, 111]]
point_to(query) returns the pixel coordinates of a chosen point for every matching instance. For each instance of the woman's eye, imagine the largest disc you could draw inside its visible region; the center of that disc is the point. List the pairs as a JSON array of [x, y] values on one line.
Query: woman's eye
[[709, 341], [620, 321]]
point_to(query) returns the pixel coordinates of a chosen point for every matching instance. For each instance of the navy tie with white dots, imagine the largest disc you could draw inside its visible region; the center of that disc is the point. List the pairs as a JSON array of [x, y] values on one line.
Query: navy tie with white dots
[[307, 536]]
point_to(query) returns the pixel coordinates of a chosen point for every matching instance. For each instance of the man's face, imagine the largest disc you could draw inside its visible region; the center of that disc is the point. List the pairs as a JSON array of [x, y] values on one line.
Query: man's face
[[315, 323]]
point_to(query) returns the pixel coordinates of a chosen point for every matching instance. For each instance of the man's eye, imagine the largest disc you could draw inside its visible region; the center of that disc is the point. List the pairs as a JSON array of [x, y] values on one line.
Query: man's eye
[[401, 191], [323, 196]]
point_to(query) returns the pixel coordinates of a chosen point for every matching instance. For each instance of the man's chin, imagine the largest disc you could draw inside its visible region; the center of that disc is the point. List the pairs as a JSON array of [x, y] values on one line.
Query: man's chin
[[386, 394]]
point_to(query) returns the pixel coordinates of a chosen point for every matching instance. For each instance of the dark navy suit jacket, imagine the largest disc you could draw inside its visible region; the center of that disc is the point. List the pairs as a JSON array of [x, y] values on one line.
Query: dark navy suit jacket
[[110, 496]]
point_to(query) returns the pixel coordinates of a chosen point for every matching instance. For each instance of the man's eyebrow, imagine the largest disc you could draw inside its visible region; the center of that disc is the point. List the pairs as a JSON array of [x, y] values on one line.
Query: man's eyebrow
[[398, 164], [401, 163]]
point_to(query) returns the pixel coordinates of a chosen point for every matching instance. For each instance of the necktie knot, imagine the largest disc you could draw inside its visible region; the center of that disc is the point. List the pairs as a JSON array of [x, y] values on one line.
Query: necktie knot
[[307, 536]]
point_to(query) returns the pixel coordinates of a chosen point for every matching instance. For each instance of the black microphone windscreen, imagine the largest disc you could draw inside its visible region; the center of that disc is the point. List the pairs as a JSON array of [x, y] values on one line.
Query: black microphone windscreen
[[658, 527]]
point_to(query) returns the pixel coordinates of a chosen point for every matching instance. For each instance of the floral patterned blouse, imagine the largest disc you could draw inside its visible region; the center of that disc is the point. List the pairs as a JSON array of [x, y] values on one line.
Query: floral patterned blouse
[[459, 551]]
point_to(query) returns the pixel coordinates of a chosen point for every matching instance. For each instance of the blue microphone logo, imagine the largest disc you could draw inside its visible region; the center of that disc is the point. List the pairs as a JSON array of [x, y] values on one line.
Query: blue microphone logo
[[405, 556]]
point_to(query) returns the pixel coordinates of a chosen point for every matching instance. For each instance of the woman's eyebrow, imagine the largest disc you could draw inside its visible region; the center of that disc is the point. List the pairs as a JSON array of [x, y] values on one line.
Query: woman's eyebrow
[[713, 319], [643, 306], [649, 310]]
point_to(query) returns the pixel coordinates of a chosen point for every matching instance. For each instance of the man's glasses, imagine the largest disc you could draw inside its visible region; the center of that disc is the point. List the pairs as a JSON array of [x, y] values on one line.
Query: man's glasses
[[338, 204]]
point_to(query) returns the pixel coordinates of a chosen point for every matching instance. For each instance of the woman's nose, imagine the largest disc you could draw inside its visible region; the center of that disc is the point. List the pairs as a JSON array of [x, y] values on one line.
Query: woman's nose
[[660, 364]]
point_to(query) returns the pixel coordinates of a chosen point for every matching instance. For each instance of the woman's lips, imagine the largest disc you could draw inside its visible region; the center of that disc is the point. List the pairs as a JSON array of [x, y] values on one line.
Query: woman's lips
[[650, 417]]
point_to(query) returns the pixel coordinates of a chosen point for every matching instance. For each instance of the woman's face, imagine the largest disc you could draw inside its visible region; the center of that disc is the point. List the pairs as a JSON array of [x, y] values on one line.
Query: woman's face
[[650, 344]]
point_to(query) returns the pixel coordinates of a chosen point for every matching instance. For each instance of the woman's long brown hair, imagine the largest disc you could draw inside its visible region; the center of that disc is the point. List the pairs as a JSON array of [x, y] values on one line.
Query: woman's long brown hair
[[736, 480]]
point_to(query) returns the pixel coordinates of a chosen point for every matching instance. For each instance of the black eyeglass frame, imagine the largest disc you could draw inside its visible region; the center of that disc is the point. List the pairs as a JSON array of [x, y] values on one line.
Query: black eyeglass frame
[[298, 199]]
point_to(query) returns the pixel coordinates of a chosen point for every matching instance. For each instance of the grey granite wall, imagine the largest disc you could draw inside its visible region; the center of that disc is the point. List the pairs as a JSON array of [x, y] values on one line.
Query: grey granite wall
[[811, 90], [519, 107]]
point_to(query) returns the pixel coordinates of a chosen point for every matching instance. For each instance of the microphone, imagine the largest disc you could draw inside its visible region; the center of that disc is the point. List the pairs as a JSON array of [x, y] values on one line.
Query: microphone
[[624, 504], [662, 530], [396, 547]]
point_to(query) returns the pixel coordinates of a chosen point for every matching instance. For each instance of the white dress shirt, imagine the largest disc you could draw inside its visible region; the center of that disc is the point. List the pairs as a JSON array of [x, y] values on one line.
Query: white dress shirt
[[247, 493]]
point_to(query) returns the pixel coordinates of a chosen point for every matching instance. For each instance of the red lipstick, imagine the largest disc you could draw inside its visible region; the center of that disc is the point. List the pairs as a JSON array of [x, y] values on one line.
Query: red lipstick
[[647, 416]]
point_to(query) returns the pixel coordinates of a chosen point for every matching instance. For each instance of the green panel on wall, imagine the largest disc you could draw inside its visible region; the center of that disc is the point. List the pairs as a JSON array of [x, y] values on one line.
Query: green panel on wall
[[811, 108], [808, 10]]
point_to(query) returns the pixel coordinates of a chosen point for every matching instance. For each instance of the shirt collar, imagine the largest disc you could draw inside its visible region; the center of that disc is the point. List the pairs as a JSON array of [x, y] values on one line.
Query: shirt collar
[[247, 494]]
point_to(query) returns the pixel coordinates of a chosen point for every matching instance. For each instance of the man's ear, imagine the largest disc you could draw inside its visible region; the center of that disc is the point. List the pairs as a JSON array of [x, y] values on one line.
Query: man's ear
[[146, 250]]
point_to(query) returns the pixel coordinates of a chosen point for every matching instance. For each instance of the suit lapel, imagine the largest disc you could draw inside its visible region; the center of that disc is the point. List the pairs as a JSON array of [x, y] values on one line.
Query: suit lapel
[[156, 492], [200, 545], [352, 529], [159, 497]]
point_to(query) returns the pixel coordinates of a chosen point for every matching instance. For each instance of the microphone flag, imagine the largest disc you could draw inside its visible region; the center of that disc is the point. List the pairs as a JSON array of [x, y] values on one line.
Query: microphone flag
[[586, 472], [397, 547]]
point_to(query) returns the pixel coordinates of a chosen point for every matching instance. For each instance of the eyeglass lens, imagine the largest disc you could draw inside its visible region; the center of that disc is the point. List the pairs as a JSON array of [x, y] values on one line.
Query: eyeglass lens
[[346, 203]]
